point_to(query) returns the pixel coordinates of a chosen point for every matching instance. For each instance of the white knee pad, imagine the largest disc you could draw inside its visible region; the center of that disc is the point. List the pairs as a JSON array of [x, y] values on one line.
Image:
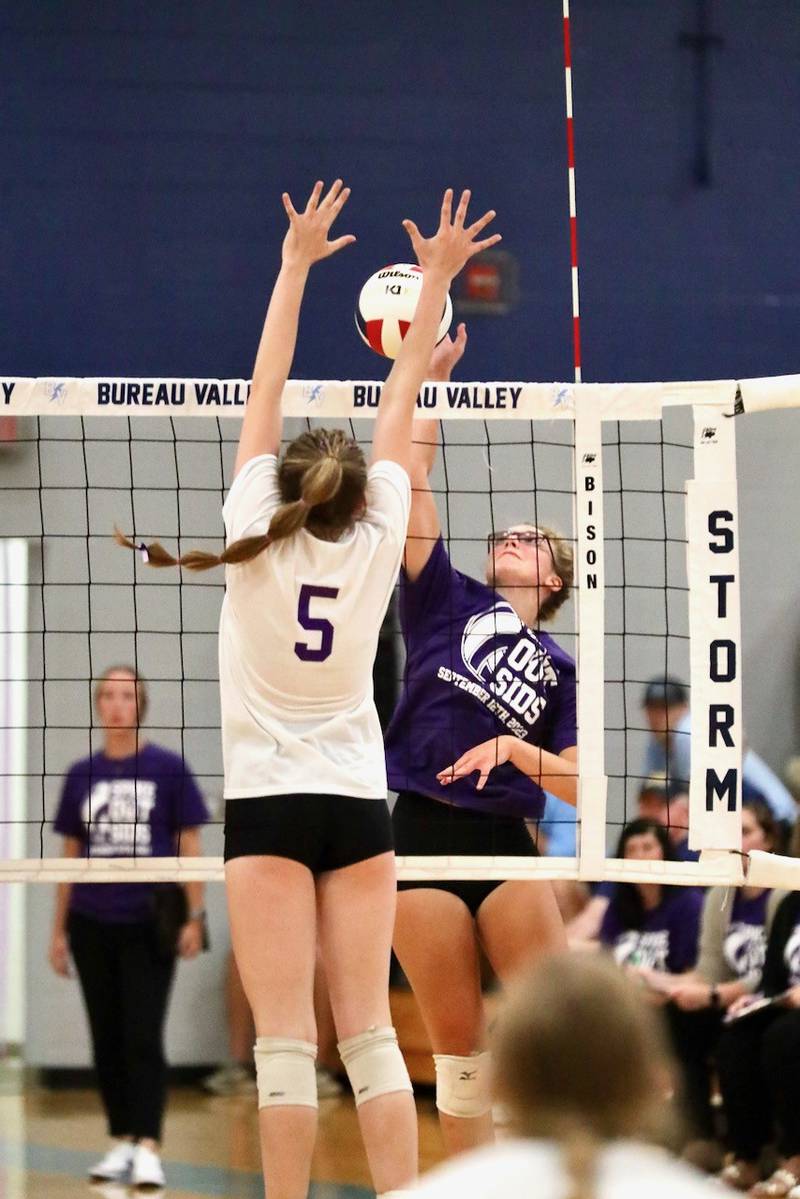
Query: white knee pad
[[285, 1072], [462, 1084], [374, 1064]]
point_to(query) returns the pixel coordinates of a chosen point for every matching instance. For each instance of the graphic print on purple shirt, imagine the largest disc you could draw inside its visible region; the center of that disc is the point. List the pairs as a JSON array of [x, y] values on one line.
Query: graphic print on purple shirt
[[745, 945], [667, 939], [791, 956], [124, 808], [474, 671]]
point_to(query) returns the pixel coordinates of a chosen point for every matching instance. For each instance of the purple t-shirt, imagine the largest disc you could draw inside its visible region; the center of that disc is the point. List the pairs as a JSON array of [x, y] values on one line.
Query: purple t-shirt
[[474, 671], [125, 808], [668, 937], [745, 944]]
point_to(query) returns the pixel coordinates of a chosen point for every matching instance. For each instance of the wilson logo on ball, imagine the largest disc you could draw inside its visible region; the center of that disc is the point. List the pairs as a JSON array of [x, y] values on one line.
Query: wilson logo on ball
[[386, 306]]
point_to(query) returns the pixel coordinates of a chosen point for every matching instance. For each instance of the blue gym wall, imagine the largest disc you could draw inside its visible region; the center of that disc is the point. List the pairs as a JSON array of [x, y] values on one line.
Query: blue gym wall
[[144, 147]]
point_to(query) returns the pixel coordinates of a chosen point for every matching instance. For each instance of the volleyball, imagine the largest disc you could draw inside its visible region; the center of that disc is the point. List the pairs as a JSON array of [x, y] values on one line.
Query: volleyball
[[386, 306]]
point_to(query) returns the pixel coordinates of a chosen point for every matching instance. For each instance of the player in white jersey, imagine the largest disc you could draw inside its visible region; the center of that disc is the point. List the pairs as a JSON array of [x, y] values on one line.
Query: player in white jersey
[[582, 1068], [314, 545]]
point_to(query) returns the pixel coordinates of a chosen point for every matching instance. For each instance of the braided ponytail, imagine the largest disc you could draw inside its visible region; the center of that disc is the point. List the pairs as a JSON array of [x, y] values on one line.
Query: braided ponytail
[[154, 554], [322, 480]]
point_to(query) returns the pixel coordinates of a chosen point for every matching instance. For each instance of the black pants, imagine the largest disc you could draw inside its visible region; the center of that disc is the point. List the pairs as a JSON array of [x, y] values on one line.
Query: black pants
[[759, 1074], [694, 1037], [125, 986]]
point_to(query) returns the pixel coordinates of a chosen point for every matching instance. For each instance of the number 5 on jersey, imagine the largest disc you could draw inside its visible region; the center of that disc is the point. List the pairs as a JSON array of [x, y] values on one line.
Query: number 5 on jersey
[[314, 624]]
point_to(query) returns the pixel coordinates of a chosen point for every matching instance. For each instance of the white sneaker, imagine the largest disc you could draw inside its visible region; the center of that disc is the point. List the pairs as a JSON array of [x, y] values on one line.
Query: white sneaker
[[230, 1080], [116, 1164], [328, 1085], [147, 1173]]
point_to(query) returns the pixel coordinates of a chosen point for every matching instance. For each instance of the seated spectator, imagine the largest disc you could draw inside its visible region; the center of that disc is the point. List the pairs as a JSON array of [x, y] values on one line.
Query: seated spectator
[[666, 711], [581, 1069], [655, 806], [650, 928], [667, 803], [729, 965], [759, 1063]]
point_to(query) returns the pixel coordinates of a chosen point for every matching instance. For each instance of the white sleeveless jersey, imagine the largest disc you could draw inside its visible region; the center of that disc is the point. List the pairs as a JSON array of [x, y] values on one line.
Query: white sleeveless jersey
[[518, 1169], [298, 636]]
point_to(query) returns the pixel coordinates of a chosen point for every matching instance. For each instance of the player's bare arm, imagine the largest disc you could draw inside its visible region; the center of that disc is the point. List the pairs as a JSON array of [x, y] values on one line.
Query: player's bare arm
[[441, 258], [306, 242]]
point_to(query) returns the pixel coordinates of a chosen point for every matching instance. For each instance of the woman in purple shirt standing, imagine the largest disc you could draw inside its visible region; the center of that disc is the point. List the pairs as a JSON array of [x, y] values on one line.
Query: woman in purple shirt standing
[[131, 799], [487, 693]]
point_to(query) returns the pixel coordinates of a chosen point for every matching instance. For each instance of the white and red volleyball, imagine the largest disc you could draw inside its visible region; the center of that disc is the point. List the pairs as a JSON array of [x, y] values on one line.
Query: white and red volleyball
[[386, 306]]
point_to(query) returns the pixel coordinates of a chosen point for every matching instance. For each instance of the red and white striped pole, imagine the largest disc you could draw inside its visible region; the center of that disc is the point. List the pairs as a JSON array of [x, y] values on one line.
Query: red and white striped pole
[[573, 217]]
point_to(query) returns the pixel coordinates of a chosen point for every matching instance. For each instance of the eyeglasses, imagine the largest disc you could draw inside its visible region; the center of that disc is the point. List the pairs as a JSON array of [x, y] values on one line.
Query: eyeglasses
[[529, 536]]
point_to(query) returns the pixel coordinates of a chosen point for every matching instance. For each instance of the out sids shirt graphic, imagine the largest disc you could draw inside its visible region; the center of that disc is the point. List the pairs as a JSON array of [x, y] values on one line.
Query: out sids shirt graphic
[[125, 808], [474, 671], [791, 957], [667, 938], [745, 944]]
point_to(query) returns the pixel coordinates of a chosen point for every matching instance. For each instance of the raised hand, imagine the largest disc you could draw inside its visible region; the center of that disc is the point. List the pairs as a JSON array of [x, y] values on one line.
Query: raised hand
[[447, 354], [306, 239], [453, 243]]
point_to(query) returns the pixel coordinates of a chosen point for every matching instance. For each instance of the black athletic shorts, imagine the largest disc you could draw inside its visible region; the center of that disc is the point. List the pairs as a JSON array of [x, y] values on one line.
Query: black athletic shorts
[[323, 832], [426, 827]]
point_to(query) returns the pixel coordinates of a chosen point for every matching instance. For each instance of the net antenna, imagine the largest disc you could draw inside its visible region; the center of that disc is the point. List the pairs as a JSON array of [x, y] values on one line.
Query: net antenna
[[582, 412], [573, 209]]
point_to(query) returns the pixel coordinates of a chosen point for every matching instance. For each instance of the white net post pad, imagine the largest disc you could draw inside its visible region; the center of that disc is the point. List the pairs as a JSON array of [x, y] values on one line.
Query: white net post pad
[[715, 793]]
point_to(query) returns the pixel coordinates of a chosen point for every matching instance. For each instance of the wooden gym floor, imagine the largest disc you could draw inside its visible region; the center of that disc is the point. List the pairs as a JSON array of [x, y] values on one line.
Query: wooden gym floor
[[48, 1139]]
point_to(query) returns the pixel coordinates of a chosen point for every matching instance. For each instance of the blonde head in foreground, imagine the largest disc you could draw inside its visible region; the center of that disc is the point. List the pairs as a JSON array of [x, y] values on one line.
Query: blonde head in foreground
[[581, 1059]]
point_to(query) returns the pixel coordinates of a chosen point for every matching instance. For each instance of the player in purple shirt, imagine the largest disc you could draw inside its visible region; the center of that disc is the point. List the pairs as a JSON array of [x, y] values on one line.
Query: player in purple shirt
[[131, 799], [486, 718]]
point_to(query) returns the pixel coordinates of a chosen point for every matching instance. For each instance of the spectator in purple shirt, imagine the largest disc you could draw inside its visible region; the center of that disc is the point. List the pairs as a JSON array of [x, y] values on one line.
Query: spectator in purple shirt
[[652, 929], [485, 721], [649, 927], [131, 799]]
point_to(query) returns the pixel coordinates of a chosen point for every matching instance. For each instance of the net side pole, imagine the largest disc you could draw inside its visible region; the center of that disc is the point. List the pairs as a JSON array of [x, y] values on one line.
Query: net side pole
[[590, 576], [13, 754]]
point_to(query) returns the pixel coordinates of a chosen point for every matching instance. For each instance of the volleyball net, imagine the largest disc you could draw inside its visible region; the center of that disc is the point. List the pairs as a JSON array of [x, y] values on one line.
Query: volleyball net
[[640, 477]]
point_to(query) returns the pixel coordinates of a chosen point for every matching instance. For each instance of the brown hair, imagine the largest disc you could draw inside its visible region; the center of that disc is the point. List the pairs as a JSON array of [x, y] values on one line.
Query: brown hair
[[142, 698], [564, 562], [580, 1058], [322, 480]]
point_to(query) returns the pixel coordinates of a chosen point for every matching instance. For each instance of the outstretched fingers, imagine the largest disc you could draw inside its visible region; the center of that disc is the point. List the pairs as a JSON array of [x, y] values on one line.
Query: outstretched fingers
[[461, 211], [340, 242], [333, 195], [289, 207], [313, 199], [475, 228], [447, 209], [485, 244], [414, 235]]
